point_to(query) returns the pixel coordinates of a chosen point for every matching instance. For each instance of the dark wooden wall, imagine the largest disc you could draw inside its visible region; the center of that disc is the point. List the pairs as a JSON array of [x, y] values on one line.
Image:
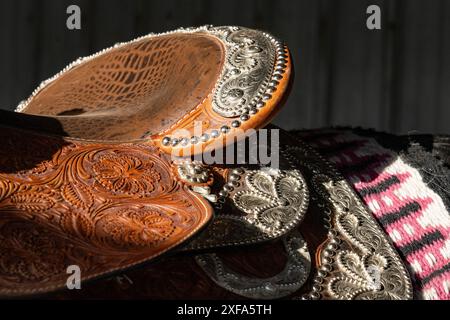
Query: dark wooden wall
[[395, 79]]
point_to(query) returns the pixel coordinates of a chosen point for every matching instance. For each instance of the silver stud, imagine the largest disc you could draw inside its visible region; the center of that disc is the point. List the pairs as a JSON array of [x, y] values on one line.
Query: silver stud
[[228, 188], [235, 177], [267, 96], [326, 267], [166, 141], [274, 83], [175, 142], [225, 129], [277, 77], [234, 184], [328, 260], [194, 140], [322, 273], [335, 241], [271, 89], [184, 141], [332, 246], [315, 295], [278, 72], [245, 117], [260, 104], [316, 288], [333, 233], [223, 193], [328, 253], [253, 111], [204, 137], [318, 280], [238, 171], [215, 133], [236, 124]]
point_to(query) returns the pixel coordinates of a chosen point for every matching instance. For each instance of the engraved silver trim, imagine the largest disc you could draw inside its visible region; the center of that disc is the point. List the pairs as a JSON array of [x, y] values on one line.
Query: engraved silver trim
[[288, 281], [356, 245], [272, 202], [250, 60]]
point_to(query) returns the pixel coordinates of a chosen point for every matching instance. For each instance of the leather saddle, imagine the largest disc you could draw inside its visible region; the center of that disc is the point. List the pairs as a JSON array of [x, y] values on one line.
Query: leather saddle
[[104, 167]]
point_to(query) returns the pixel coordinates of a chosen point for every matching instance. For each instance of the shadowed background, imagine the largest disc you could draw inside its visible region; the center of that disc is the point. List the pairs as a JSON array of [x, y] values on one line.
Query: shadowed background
[[395, 79]]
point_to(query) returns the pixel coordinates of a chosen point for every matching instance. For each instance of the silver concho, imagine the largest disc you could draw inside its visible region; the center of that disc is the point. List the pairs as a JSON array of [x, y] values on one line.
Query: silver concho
[[272, 203], [289, 280], [251, 57]]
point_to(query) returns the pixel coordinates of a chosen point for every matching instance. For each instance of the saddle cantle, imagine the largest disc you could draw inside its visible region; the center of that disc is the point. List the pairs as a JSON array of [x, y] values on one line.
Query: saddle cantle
[[97, 171], [159, 87]]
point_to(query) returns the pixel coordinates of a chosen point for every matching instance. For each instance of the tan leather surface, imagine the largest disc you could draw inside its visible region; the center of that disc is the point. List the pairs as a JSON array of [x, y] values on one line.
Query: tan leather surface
[[102, 207], [149, 89], [180, 277], [129, 92]]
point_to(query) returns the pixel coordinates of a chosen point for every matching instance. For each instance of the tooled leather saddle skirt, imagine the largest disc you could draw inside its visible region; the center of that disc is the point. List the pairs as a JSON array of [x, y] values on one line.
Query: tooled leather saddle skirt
[[117, 161]]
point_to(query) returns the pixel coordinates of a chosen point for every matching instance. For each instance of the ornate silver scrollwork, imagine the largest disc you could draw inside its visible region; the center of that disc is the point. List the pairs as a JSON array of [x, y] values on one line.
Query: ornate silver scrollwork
[[357, 261], [289, 280], [372, 270], [271, 203], [250, 62]]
